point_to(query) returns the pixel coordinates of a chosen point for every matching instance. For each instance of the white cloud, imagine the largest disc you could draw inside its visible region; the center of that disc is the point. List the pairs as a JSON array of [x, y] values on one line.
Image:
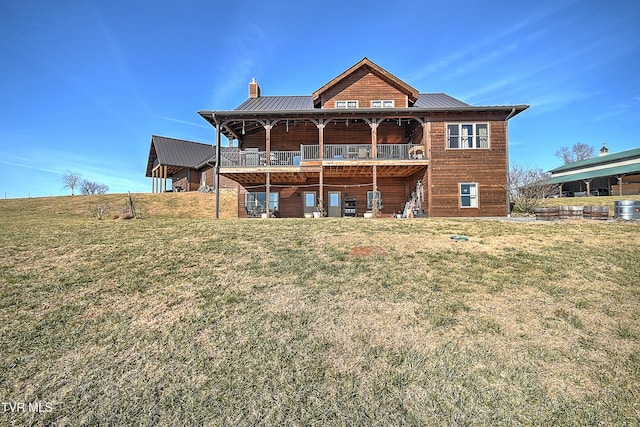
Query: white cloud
[[185, 122]]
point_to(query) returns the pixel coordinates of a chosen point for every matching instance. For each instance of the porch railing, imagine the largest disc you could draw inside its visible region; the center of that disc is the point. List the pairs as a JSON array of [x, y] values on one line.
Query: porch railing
[[363, 151], [259, 158], [329, 152]]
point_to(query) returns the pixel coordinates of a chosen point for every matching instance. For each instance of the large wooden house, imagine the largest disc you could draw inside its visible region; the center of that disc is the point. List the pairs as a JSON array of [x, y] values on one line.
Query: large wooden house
[[365, 142]]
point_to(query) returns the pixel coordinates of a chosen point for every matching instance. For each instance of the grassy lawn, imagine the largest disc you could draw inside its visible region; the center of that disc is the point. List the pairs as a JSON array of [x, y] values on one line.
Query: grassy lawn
[[175, 320]]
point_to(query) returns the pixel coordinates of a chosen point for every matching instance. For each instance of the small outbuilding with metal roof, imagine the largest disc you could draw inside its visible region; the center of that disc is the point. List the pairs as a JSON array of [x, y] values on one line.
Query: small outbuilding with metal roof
[[617, 173], [188, 164]]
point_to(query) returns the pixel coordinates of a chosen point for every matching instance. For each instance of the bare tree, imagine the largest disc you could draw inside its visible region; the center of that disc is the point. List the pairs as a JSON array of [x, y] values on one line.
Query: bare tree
[[89, 187], [578, 151], [528, 187], [71, 180], [99, 210]]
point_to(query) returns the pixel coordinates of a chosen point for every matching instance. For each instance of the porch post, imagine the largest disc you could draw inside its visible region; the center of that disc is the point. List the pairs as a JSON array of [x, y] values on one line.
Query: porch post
[[164, 177], [321, 126], [426, 142], [588, 182], [620, 184], [156, 184], [375, 191], [267, 128], [153, 180], [268, 191], [217, 168], [374, 138], [321, 189]]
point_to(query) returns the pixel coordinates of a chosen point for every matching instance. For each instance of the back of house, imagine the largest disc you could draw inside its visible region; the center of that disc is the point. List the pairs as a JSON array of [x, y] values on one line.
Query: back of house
[[365, 143]]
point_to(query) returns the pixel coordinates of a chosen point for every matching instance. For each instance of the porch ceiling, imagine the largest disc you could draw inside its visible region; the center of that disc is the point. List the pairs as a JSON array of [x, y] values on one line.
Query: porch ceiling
[[382, 171], [301, 177], [171, 170], [260, 178]]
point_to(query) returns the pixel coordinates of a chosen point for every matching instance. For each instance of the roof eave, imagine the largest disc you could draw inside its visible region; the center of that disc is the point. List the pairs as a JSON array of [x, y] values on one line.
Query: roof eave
[[211, 115]]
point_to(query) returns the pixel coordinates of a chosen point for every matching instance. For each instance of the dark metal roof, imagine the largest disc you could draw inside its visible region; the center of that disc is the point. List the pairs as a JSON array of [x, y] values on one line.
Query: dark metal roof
[[301, 103], [438, 100], [180, 153], [277, 103]]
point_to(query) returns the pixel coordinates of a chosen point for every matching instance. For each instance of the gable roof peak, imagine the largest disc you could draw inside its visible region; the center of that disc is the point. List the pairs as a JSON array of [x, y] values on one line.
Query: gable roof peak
[[375, 69]]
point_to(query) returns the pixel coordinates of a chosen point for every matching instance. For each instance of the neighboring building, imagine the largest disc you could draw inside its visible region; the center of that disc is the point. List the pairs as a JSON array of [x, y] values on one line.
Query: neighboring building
[[609, 174], [364, 142], [189, 165]]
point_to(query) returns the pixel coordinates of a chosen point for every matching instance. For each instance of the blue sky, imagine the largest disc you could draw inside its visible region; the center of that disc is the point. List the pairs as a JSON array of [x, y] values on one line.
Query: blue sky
[[86, 83]]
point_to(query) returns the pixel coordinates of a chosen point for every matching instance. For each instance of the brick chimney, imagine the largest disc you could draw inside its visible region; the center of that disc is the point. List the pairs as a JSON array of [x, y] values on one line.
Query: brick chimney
[[254, 89]]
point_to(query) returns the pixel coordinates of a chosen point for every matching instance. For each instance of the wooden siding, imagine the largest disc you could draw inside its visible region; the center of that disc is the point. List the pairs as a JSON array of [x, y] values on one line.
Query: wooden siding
[[189, 179], [363, 86], [339, 133], [298, 133], [394, 193], [486, 167], [357, 132], [449, 167]]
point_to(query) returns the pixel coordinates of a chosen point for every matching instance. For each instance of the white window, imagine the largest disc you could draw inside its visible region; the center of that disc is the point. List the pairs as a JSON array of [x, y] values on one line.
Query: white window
[[468, 195], [383, 103], [370, 199], [467, 135], [346, 104]]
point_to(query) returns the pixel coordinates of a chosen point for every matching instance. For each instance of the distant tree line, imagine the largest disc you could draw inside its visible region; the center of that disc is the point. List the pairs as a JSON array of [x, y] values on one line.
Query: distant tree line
[[528, 186], [73, 180]]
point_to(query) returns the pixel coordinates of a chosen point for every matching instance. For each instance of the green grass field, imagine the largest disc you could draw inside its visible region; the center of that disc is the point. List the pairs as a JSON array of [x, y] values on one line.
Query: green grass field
[[182, 320]]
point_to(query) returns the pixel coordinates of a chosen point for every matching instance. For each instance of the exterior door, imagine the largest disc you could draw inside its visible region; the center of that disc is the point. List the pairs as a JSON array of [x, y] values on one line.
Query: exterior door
[[335, 204], [309, 202]]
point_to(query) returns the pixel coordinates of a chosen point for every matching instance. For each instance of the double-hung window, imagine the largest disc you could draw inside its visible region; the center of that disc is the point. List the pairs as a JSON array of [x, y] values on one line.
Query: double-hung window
[[467, 135], [383, 103], [346, 104], [468, 195]]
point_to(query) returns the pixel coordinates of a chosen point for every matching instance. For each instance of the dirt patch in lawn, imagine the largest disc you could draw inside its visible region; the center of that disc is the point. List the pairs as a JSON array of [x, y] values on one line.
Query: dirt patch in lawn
[[366, 251]]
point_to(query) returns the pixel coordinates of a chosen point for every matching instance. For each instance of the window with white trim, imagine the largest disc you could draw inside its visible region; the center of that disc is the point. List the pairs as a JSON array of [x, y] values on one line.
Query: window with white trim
[[468, 195], [467, 135], [347, 104], [383, 103]]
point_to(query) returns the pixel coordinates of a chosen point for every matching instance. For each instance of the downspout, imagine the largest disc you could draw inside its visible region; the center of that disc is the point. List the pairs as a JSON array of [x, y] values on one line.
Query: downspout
[[506, 133]]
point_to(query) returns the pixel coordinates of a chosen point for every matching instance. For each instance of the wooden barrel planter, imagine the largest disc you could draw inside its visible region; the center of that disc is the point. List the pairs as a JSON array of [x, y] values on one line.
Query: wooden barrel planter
[[570, 212], [547, 214], [600, 213]]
